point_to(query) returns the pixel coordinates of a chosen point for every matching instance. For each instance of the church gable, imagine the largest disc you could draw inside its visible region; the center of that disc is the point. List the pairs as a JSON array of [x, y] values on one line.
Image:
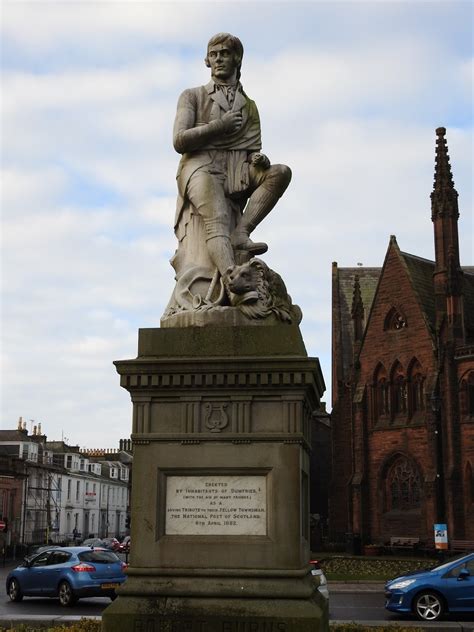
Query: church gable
[[396, 361], [398, 322]]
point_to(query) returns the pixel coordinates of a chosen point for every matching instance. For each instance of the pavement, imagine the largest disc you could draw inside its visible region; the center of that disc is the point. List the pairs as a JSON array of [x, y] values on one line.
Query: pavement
[[335, 587]]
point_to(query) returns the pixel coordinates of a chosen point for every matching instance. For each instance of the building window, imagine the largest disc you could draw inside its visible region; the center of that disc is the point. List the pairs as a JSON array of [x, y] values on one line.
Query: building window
[[395, 320], [399, 390], [399, 395], [69, 489], [418, 393], [403, 486], [466, 395], [382, 394], [78, 489]]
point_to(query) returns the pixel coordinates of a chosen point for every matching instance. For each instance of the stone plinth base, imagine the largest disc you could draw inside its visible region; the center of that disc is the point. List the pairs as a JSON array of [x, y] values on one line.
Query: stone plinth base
[[220, 494], [219, 316], [181, 614]]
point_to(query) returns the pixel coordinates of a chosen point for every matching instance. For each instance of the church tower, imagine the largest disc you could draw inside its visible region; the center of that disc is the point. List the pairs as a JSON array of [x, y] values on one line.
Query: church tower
[[448, 275]]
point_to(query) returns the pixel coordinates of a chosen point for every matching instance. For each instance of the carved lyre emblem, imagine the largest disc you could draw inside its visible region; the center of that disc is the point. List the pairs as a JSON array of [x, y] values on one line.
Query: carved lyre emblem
[[216, 417]]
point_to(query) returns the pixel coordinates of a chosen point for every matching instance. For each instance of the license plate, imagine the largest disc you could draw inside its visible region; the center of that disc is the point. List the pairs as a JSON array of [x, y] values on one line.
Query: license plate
[[109, 586]]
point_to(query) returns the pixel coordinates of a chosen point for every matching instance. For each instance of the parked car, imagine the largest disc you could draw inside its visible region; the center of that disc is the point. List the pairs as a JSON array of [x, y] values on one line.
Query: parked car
[[68, 573], [96, 542], [125, 544], [316, 571], [111, 543], [433, 592], [42, 547]]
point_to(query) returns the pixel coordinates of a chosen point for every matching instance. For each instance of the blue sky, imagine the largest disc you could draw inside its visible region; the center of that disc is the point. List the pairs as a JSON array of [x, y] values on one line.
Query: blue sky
[[349, 95]]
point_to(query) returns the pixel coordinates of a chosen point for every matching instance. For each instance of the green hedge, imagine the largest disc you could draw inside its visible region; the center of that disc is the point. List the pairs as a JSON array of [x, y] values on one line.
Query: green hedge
[[367, 568]]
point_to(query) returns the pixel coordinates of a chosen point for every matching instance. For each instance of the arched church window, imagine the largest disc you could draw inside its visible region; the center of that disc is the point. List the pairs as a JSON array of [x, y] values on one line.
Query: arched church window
[[399, 390], [403, 486], [470, 394], [467, 395], [395, 320], [417, 389], [400, 395], [382, 393]]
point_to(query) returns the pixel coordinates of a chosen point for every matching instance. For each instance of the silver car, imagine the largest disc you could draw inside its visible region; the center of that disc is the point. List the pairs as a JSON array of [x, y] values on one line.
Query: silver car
[[317, 572]]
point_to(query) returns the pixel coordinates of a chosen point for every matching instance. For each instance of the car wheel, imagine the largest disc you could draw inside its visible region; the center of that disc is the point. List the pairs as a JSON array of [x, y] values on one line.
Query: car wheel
[[66, 594], [428, 606], [14, 591]]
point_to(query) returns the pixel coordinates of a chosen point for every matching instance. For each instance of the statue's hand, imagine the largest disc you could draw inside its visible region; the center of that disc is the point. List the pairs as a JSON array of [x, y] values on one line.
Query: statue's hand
[[260, 160], [232, 121]]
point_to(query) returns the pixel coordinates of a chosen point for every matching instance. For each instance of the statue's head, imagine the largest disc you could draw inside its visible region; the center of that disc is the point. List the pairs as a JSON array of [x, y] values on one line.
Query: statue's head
[[230, 43]]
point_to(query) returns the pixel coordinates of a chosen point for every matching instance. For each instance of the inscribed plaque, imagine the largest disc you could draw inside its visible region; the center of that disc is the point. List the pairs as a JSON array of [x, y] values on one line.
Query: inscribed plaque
[[216, 505]]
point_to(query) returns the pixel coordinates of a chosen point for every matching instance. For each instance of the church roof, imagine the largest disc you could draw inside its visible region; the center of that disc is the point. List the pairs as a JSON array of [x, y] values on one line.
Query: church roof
[[421, 274], [368, 281]]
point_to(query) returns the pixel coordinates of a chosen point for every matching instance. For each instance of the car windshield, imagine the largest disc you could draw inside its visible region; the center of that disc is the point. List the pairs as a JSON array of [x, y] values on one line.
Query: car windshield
[[442, 567], [98, 557]]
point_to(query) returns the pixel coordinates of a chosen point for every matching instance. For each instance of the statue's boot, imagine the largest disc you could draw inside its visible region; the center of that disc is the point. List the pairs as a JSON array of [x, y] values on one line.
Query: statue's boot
[[241, 241], [260, 203]]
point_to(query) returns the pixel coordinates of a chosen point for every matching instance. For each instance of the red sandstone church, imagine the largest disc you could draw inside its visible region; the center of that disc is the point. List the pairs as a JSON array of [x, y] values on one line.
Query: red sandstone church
[[403, 387]]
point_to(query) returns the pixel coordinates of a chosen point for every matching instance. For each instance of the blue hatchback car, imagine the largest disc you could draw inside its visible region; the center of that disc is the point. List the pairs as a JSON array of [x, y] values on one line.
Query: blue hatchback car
[[431, 593], [68, 573]]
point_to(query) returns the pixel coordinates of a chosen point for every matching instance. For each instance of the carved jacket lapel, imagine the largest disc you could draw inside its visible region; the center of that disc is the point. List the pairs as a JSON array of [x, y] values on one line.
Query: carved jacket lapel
[[239, 101], [217, 96]]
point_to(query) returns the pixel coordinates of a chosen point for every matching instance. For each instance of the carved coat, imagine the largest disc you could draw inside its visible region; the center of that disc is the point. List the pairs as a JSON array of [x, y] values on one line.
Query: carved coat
[[198, 135]]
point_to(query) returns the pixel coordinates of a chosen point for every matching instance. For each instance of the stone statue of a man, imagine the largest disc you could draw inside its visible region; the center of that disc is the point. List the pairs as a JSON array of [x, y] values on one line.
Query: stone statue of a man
[[226, 187]]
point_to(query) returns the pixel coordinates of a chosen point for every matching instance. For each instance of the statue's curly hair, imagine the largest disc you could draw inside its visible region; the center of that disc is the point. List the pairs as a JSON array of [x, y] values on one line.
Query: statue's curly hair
[[234, 44]]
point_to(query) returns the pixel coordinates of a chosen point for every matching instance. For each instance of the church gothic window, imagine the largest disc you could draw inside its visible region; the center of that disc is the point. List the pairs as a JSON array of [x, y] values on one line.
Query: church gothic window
[[382, 393], [403, 486], [467, 395], [399, 390], [416, 388], [470, 394], [395, 320]]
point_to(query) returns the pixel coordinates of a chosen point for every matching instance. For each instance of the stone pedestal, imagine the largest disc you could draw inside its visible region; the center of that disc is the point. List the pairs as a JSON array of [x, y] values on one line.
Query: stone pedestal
[[220, 497]]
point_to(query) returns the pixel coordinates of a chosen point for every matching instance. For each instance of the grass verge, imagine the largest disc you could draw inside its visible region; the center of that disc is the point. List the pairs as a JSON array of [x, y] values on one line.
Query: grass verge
[[341, 568]]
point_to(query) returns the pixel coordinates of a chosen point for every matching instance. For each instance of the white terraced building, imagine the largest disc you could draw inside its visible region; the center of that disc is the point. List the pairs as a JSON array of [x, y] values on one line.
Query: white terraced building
[[66, 494]]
